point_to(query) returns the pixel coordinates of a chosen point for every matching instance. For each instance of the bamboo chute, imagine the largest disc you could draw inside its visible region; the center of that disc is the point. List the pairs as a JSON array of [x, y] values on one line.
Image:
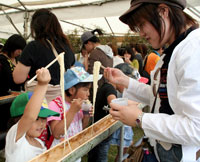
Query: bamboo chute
[[80, 143]]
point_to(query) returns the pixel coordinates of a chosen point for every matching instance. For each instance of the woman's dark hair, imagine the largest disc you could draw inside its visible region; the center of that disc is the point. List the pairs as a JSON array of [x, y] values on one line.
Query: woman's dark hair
[[13, 43], [121, 51], [139, 48], [150, 12], [130, 51], [77, 86], [144, 50], [45, 25]]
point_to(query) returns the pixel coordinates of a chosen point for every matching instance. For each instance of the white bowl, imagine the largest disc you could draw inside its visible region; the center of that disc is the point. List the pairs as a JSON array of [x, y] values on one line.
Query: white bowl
[[86, 106]]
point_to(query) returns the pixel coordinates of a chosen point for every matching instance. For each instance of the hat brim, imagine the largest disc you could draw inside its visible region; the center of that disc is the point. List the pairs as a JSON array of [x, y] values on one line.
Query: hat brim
[[44, 113], [124, 17], [90, 78], [135, 4]]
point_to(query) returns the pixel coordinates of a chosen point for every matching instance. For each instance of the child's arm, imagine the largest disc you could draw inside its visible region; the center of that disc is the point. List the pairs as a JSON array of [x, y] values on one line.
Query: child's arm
[[57, 126], [110, 98], [34, 104]]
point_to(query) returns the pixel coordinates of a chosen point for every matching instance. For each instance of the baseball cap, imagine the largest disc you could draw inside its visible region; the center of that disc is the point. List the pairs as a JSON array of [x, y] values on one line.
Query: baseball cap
[[20, 102], [137, 3], [86, 36], [77, 75]]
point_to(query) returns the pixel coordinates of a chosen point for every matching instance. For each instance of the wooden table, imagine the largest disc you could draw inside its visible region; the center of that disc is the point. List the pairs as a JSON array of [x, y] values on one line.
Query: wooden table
[[9, 98]]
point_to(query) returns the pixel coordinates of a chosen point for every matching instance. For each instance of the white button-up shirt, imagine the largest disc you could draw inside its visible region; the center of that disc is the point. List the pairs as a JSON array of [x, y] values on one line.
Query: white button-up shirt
[[183, 88]]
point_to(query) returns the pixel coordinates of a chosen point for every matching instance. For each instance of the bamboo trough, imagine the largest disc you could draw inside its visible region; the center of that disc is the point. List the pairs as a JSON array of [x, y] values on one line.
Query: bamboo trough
[[81, 143], [9, 98]]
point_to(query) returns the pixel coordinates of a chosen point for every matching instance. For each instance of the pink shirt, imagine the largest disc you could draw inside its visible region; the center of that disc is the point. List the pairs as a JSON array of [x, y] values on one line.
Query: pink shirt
[[76, 124]]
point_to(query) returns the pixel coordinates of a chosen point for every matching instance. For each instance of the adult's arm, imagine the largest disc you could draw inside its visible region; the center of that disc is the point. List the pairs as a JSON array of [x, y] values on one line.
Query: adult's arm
[[138, 92], [20, 73]]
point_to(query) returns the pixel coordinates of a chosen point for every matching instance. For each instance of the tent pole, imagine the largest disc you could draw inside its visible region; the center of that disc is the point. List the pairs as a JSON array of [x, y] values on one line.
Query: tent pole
[[26, 18], [1, 4], [109, 26], [10, 20], [194, 12], [75, 25]]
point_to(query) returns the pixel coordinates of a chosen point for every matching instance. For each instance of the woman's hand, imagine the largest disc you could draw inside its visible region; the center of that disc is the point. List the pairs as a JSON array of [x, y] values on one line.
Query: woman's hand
[[126, 114], [116, 76]]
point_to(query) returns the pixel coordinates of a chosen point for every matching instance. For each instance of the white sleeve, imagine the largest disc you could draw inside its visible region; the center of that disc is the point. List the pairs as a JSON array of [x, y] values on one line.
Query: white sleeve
[[137, 91]]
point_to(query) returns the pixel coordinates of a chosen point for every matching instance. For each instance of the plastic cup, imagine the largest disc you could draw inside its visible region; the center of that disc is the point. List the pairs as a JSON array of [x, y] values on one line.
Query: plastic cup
[[120, 101], [86, 107]]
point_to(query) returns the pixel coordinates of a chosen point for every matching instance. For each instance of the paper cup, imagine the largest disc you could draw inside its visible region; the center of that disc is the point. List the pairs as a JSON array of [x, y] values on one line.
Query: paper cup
[[120, 101]]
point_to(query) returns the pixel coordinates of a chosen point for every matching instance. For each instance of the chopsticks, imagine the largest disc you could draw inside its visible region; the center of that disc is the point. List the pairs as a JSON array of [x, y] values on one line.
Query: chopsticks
[[103, 67], [51, 63]]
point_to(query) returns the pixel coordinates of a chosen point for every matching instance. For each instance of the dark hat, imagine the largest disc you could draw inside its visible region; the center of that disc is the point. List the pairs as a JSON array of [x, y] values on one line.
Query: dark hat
[[137, 3], [126, 69], [86, 36]]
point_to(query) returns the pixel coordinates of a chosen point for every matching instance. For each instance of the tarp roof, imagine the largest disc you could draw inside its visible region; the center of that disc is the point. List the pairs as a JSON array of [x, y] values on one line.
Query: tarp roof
[[86, 13]]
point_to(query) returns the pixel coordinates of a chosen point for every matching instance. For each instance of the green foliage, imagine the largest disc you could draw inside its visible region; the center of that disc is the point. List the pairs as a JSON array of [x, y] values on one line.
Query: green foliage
[[2, 40], [75, 41], [130, 37]]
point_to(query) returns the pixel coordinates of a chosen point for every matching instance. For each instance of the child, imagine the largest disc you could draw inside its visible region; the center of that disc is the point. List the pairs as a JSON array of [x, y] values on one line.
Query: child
[[31, 109], [77, 86], [105, 94]]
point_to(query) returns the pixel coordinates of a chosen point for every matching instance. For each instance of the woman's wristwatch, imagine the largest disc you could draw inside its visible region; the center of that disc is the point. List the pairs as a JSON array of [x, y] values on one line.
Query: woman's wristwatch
[[139, 120]]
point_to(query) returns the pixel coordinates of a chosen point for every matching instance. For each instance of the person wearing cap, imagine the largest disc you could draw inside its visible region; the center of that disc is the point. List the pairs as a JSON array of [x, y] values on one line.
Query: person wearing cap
[[175, 80], [77, 85], [97, 52], [31, 110]]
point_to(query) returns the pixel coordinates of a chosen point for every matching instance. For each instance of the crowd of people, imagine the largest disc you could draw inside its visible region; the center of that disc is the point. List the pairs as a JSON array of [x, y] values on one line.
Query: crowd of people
[[163, 76]]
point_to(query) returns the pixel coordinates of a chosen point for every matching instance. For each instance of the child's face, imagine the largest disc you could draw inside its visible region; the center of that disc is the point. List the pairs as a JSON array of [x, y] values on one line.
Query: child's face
[[37, 127], [127, 56], [83, 93]]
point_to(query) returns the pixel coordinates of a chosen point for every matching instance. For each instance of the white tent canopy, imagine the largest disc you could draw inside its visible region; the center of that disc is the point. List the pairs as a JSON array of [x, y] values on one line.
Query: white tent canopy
[[85, 13]]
